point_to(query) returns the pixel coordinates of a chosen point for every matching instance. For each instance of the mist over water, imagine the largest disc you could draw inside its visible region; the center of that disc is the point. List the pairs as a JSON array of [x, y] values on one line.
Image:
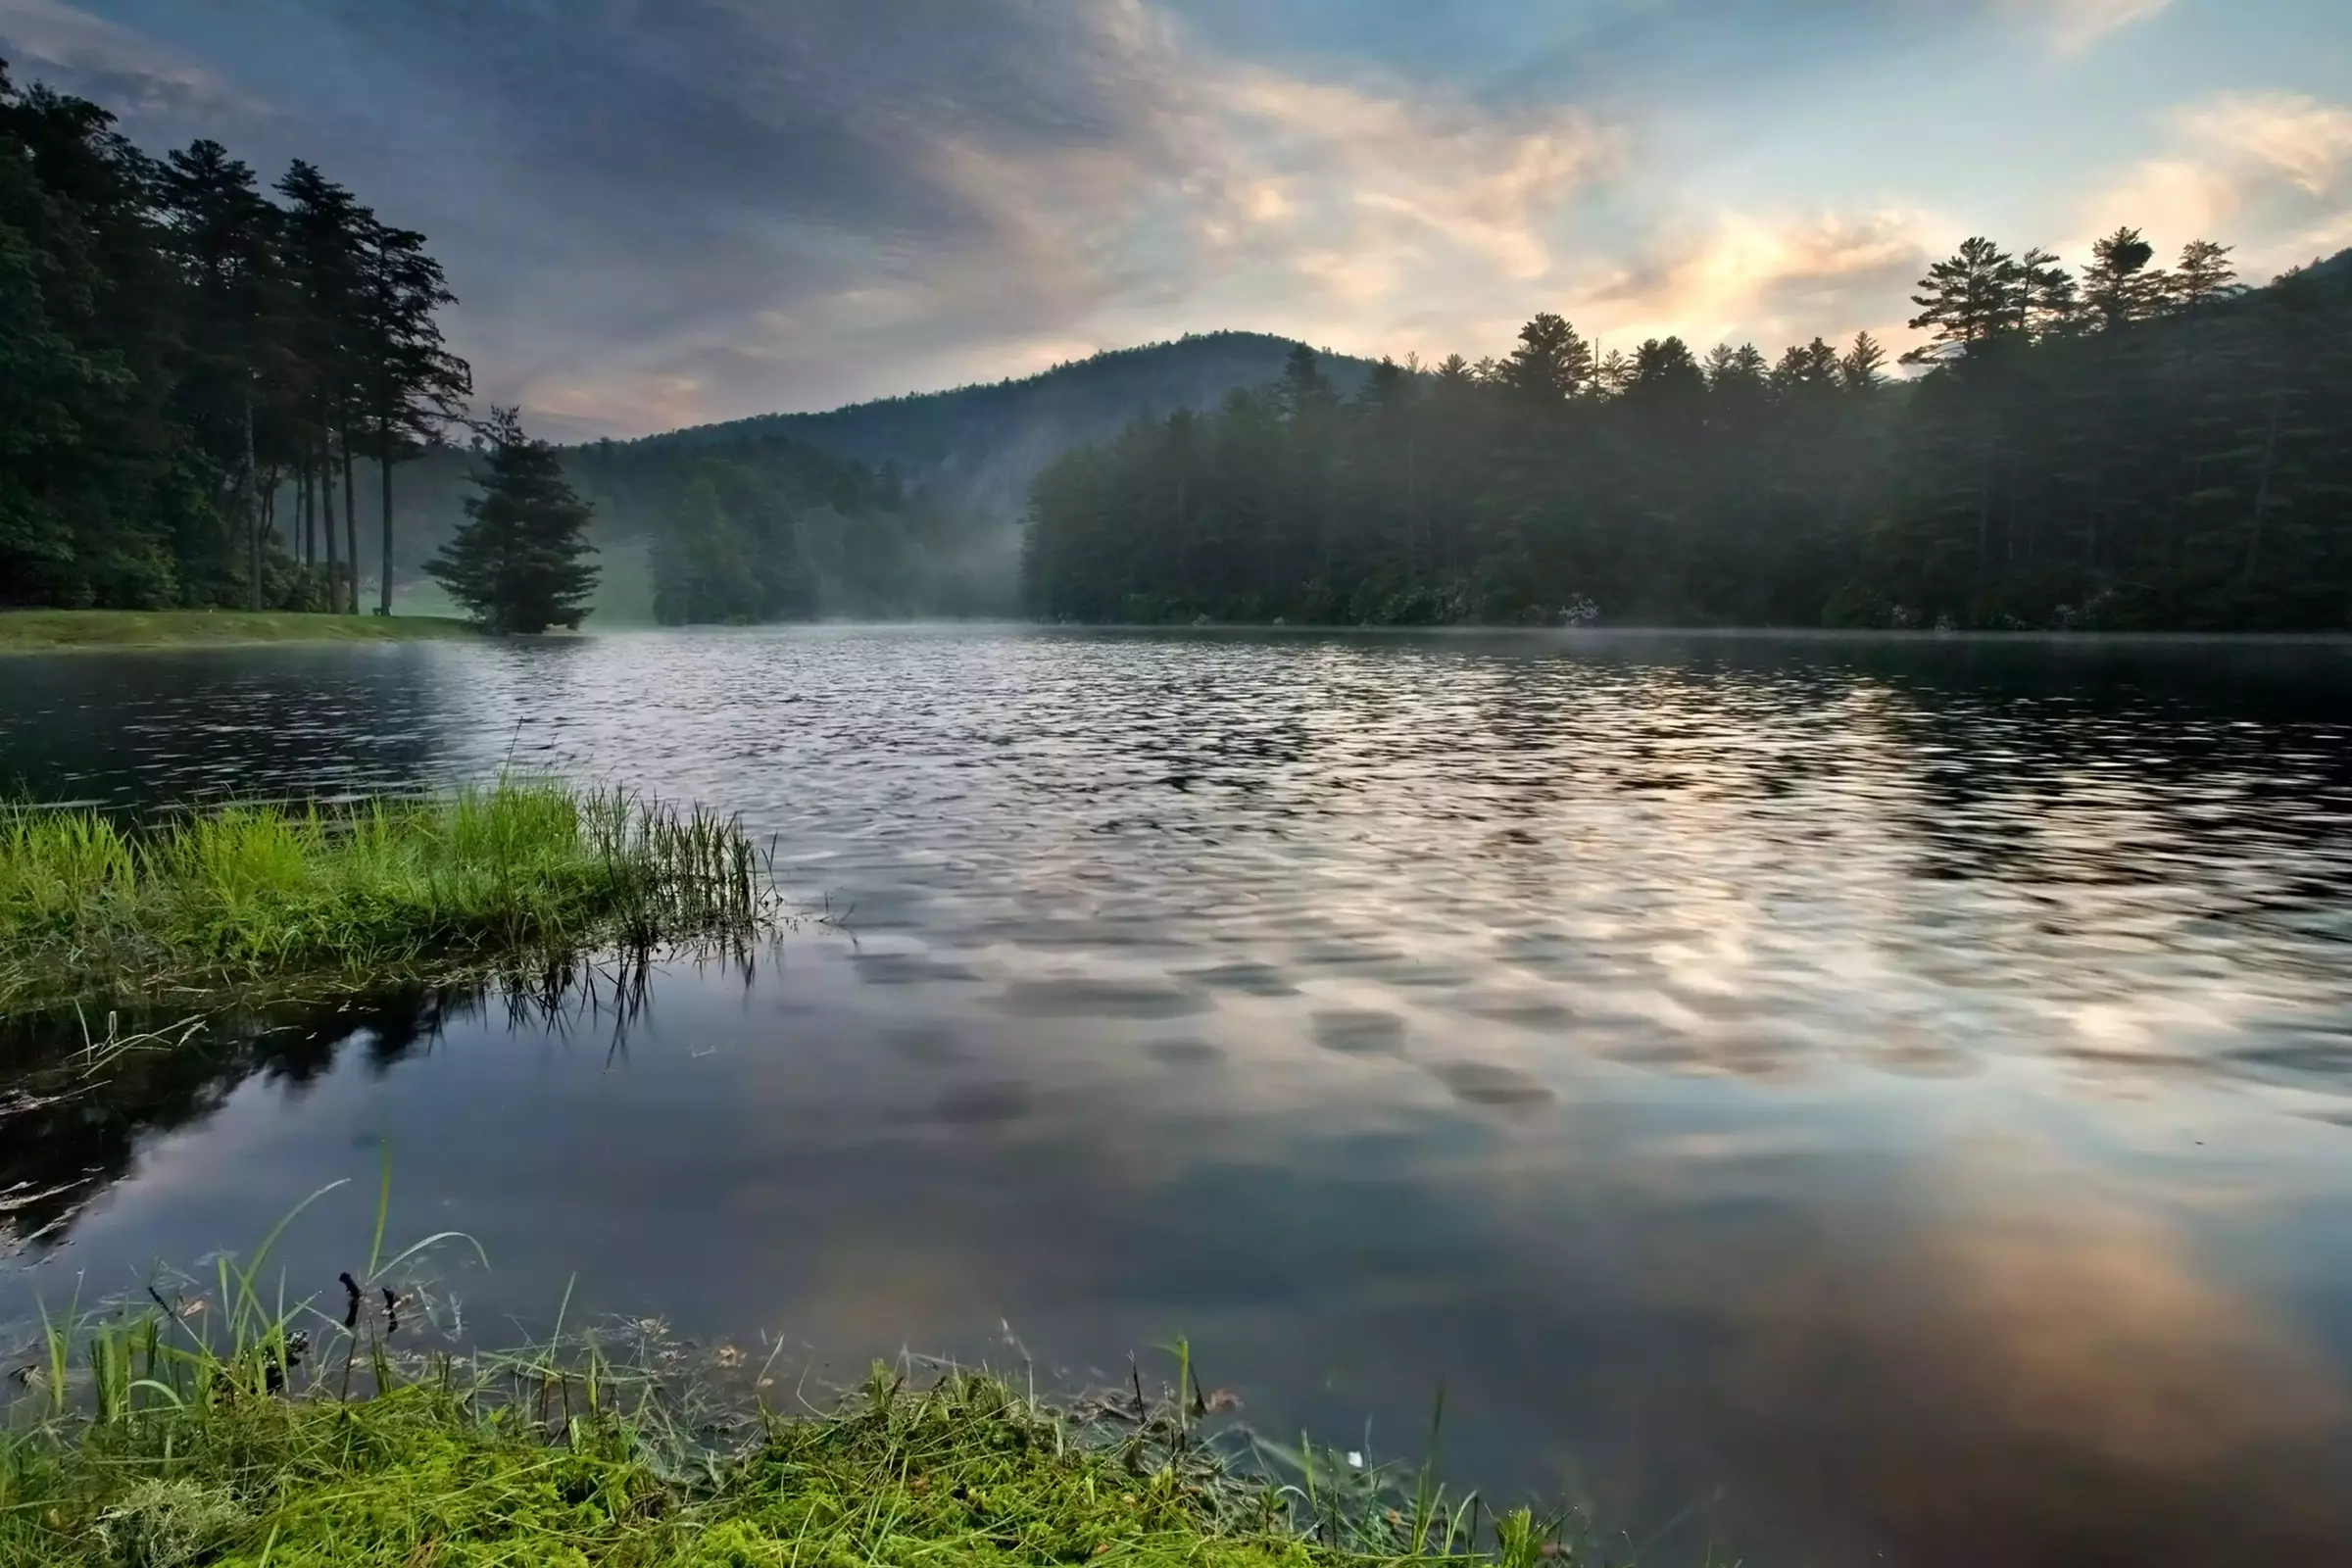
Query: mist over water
[[1826, 1096]]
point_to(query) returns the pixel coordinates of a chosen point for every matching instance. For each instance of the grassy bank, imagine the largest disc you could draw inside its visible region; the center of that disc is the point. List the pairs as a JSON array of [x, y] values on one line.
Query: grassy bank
[[962, 1471], [165, 1455], [223, 1421], [253, 899], [53, 630]]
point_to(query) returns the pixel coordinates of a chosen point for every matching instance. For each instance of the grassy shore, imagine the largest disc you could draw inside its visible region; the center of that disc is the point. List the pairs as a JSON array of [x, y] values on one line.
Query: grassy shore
[[141, 1444], [53, 630], [252, 899], [960, 1472]]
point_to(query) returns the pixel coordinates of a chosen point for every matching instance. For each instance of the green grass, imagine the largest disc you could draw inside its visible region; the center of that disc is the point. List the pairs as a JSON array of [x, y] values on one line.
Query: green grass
[[139, 1451], [226, 1425], [250, 900], [52, 630]]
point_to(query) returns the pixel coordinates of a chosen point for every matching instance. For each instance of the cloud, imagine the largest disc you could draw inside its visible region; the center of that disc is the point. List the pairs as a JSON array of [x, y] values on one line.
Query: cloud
[[1777, 277], [2299, 138], [2271, 172], [114, 65], [2073, 26]]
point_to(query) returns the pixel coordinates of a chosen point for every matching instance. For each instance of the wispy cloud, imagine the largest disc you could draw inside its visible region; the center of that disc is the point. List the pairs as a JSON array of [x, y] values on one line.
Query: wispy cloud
[[1775, 278], [2307, 141], [2073, 26]]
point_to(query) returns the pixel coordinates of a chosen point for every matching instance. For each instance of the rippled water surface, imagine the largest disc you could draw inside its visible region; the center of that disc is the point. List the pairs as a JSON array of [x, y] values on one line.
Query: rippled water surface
[[1848, 1102]]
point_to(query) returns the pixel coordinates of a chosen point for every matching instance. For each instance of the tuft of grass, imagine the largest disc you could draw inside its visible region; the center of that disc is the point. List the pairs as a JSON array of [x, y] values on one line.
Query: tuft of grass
[[60, 630], [248, 898]]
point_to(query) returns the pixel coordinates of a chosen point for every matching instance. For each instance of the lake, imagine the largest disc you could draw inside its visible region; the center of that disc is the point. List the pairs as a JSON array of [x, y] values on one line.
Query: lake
[[1840, 1099]]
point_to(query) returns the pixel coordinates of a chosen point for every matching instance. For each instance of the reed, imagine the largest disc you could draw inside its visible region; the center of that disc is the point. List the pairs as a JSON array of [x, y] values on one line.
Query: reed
[[257, 897]]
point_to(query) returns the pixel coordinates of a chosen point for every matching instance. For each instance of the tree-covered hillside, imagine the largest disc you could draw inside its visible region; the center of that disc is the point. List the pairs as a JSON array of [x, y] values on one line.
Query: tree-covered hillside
[[2133, 446], [904, 507], [975, 448]]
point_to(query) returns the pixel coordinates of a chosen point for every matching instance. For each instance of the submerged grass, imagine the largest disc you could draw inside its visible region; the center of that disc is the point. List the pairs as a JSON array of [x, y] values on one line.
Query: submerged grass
[[248, 898], [55, 630]]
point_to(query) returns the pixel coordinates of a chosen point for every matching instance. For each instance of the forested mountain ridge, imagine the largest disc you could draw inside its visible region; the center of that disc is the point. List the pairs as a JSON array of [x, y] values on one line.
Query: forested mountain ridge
[[2133, 447], [976, 448], [906, 506]]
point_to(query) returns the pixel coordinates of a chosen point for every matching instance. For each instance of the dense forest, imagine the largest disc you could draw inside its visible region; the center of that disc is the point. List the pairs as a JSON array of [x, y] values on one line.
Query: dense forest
[[2137, 447], [190, 372]]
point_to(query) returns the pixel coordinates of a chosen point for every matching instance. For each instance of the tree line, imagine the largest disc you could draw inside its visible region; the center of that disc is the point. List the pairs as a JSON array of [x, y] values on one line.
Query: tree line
[[2129, 446], [191, 368]]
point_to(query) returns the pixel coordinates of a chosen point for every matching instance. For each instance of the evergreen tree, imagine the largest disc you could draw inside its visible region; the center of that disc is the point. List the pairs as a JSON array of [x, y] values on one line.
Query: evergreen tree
[[2205, 276], [1968, 301], [2119, 289], [1861, 368], [2045, 294], [516, 563], [327, 237], [1551, 364], [412, 387]]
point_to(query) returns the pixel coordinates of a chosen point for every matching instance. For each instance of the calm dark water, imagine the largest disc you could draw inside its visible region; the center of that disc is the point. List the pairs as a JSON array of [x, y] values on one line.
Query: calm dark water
[[1848, 1101]]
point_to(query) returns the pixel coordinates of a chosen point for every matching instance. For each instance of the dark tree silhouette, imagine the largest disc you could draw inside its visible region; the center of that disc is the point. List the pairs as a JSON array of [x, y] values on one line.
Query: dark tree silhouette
[[177, 350], [518, 561]]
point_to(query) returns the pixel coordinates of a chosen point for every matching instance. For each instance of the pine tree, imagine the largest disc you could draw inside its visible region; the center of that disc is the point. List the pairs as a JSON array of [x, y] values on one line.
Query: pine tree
[[1861, 368], [2205, 276], [1966, 302], [326, 235], [2119, 289], [2045, 294], [412, 385], [516, 561], [1549, 365], [224, 238]]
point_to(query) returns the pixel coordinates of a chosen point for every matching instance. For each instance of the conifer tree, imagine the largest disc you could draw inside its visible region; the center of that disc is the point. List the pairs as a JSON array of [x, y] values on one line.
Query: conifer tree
[[1969, 299], [2119, 289], [515, 563], [2204, 276], [1552, 363]]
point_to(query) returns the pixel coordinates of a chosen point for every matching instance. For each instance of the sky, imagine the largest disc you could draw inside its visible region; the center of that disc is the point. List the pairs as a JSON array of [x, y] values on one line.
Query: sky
[[660, 213]]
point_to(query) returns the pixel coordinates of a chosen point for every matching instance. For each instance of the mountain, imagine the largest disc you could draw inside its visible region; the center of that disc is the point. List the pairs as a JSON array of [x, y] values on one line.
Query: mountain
[[907, 506], [975, 448]]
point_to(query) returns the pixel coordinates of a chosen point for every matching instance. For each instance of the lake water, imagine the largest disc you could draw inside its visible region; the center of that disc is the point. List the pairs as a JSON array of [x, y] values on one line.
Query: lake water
[[1845, 1101]]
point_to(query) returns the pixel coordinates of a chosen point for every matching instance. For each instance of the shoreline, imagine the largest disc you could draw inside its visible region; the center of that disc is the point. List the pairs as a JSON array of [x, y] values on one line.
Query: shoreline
[[58, 631], [143, 1439]]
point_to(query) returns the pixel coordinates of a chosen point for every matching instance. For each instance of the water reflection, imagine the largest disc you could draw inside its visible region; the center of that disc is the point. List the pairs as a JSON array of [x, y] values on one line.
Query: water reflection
[[1849, 1097]]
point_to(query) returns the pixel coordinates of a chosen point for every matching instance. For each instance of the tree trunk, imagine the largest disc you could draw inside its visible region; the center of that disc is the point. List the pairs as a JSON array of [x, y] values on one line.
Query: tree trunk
[[351, 524], [253, 504], [383, 466], [305, 502], [326, 498]]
